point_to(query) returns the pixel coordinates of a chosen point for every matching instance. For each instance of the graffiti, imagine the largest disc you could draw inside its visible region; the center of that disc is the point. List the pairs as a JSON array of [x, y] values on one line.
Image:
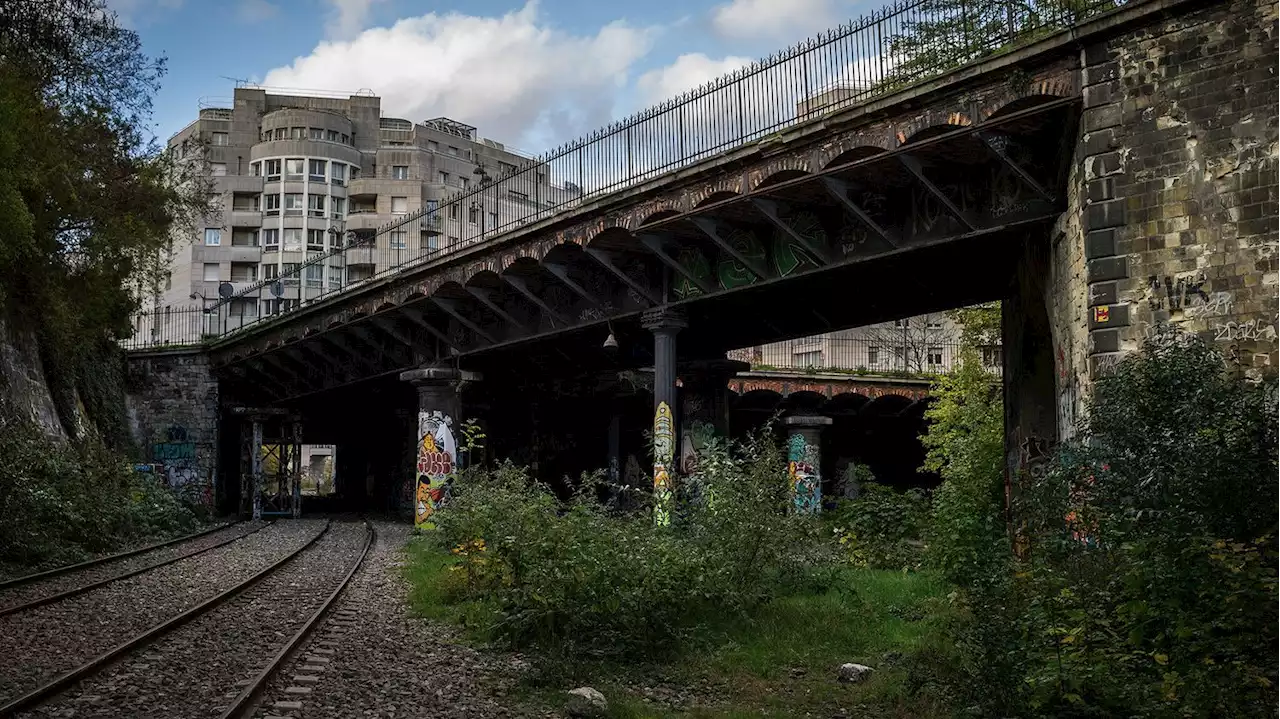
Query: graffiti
[[1164, 334], [1174, 293], [1219, 303], [176, 462], [693, 440], [1032, 456], [732, 273], [437, 457], [802, 466], [596, 313], [663, 452], [696, 263], [1250, 331], [788, 255]]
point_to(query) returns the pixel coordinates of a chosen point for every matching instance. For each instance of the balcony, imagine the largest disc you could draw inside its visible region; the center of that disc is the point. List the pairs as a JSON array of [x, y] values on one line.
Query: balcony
[[363, 189], [359, 220], [245, 218], [244, 253]]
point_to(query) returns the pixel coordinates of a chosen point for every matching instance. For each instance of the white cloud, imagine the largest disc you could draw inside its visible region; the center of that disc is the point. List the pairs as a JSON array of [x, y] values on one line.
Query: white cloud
[[255, 11], [687, 72], [516, 79], [348, 17], [774, 19]]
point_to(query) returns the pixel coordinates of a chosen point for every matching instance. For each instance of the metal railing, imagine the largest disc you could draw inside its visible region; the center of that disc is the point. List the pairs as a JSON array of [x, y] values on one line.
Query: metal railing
[[175, 327], [887, 355], [901, 44]]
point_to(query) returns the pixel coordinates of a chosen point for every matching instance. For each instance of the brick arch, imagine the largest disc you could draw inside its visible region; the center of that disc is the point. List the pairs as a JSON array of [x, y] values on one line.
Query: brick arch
[[1027, 100], [620, 233], [412, 294], [778, 170], [730, 185], [846, 403], [717, 196], [888, 403], [384, 306], [878, 138], [563, 251], [765, 399], [484, 274], [650, 211], [853, 154], [451, 288], [932, 123]]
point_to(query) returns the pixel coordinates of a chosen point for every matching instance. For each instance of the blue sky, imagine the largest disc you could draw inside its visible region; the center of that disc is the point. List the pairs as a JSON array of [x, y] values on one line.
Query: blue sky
[[530, 74]]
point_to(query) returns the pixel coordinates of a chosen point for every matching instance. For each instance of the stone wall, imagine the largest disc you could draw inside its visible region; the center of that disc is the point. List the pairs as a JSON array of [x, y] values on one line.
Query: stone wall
[[172, 401], [1179, 159]]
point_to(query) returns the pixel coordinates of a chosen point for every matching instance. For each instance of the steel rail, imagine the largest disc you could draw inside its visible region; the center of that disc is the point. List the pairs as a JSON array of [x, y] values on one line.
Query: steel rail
[[244, 702], [50, 599], [6, 584], [40, 694]]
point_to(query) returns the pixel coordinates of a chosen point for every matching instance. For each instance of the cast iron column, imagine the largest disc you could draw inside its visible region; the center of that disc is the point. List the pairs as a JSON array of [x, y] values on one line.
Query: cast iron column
[[439, 406], [664, 322], [804, 460]]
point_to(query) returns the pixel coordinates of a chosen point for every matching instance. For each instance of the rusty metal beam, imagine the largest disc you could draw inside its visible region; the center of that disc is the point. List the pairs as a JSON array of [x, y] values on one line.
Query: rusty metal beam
[[485, 298], [607, 260], [521, 285], [770, 209], [562, 273], [711, 229], [996, 144], [913, 166], [839, 189], [419, 320], [451, 307], [655, 245]]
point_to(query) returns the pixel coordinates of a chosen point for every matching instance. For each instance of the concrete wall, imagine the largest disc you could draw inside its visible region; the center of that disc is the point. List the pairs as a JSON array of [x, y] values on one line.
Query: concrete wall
[[1179, 161], [172, 400]]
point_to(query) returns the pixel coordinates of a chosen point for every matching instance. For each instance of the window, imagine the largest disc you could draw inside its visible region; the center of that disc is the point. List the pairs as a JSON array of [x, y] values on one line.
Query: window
[[339, 173], [244, 203], [902, 323], [282, 133], [293, 203], [453, 239], [317, 170], [808, 359], [430, 242], [506, 168], [934, 324], [244, 272], [873, 355], [399, 205], [271, 271], [339, 207], [255, 169], [271, 168], [244, 238], [292, 240], [297, 133], [212, 237], [315, 133], [992, 356], [453, 211], [331, 135], [398, 239], [453, 150], [355, 171], [314, 271], [315, 240], [473, 215], [346, 140], [242, 307], [315, 205], [399, 172], [444, 178], [464, 182], [433, 146], [289, 273], [293, 169], [218, 169], [493, 220], [211, 272], [935, 356], [271, 204], [220, 139], [270, 240]]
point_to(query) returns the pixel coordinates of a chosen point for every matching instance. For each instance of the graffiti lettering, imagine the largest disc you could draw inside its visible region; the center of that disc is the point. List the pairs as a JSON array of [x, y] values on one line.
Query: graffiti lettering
[[1219, 303], [1175, 291], [802, 465], [1250, 331], [437, 456]]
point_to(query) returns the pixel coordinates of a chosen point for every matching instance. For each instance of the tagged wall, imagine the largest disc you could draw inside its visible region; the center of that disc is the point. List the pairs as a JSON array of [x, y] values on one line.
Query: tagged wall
[[1178, 158], [172, 401]]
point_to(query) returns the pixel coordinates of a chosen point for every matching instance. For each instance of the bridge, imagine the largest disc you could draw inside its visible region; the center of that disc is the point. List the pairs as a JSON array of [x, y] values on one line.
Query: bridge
[[1108, 171]]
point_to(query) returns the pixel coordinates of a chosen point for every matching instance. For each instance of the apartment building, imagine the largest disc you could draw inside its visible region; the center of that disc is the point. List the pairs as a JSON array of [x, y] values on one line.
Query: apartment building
[[296, 177]]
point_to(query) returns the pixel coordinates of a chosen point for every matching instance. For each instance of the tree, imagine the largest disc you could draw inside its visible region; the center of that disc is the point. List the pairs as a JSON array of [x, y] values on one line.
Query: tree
[[85, 201], [915, 344]]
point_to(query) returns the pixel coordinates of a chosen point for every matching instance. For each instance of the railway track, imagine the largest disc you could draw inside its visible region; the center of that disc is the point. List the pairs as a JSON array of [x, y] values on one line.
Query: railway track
[[36, 590], [215, 657]]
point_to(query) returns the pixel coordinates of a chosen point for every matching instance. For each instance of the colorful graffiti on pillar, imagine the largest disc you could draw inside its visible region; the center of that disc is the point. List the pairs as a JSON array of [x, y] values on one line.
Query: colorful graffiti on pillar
[[437, 456], [663, 454], [806, 485], [178, 466]]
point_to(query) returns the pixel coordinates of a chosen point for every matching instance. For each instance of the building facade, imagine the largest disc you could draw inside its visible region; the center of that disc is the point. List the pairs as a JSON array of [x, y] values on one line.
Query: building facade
[[301, 184]]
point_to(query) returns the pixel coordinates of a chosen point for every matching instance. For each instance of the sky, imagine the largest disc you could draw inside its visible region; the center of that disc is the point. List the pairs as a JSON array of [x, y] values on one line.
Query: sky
[[531, 74]]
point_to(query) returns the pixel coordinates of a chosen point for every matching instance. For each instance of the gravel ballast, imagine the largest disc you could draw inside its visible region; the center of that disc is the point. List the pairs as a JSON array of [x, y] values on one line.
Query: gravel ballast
[[50, 640], [56, 584], [200, 667], [381, 662]]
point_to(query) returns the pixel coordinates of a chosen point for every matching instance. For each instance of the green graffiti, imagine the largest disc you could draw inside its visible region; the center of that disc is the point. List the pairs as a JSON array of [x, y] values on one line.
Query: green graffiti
[[790, 256], [732, 273], [694, 261]]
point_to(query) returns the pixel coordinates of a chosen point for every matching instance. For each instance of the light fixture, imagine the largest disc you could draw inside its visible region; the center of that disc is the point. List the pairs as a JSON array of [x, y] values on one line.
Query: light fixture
[[611, 342]]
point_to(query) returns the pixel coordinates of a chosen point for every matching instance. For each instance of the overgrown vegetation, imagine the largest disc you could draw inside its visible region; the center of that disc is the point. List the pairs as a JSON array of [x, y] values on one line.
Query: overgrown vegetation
[[87, 204]]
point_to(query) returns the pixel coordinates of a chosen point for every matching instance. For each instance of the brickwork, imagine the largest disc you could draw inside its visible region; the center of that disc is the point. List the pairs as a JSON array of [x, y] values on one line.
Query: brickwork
[[1179, 160], [172, 400]]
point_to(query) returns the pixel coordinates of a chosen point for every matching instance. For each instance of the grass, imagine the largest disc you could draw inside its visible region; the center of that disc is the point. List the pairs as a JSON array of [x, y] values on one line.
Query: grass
[[782, 662]]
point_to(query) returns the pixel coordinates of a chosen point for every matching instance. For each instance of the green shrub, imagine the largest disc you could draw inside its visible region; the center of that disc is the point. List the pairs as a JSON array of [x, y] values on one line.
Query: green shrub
[[60, 503], [883, 528], [1150, 586], [577, 579]]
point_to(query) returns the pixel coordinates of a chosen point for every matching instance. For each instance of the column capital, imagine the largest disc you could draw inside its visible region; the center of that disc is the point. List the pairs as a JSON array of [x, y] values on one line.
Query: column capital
[[807, 420], [664, 318], [430, 376]]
